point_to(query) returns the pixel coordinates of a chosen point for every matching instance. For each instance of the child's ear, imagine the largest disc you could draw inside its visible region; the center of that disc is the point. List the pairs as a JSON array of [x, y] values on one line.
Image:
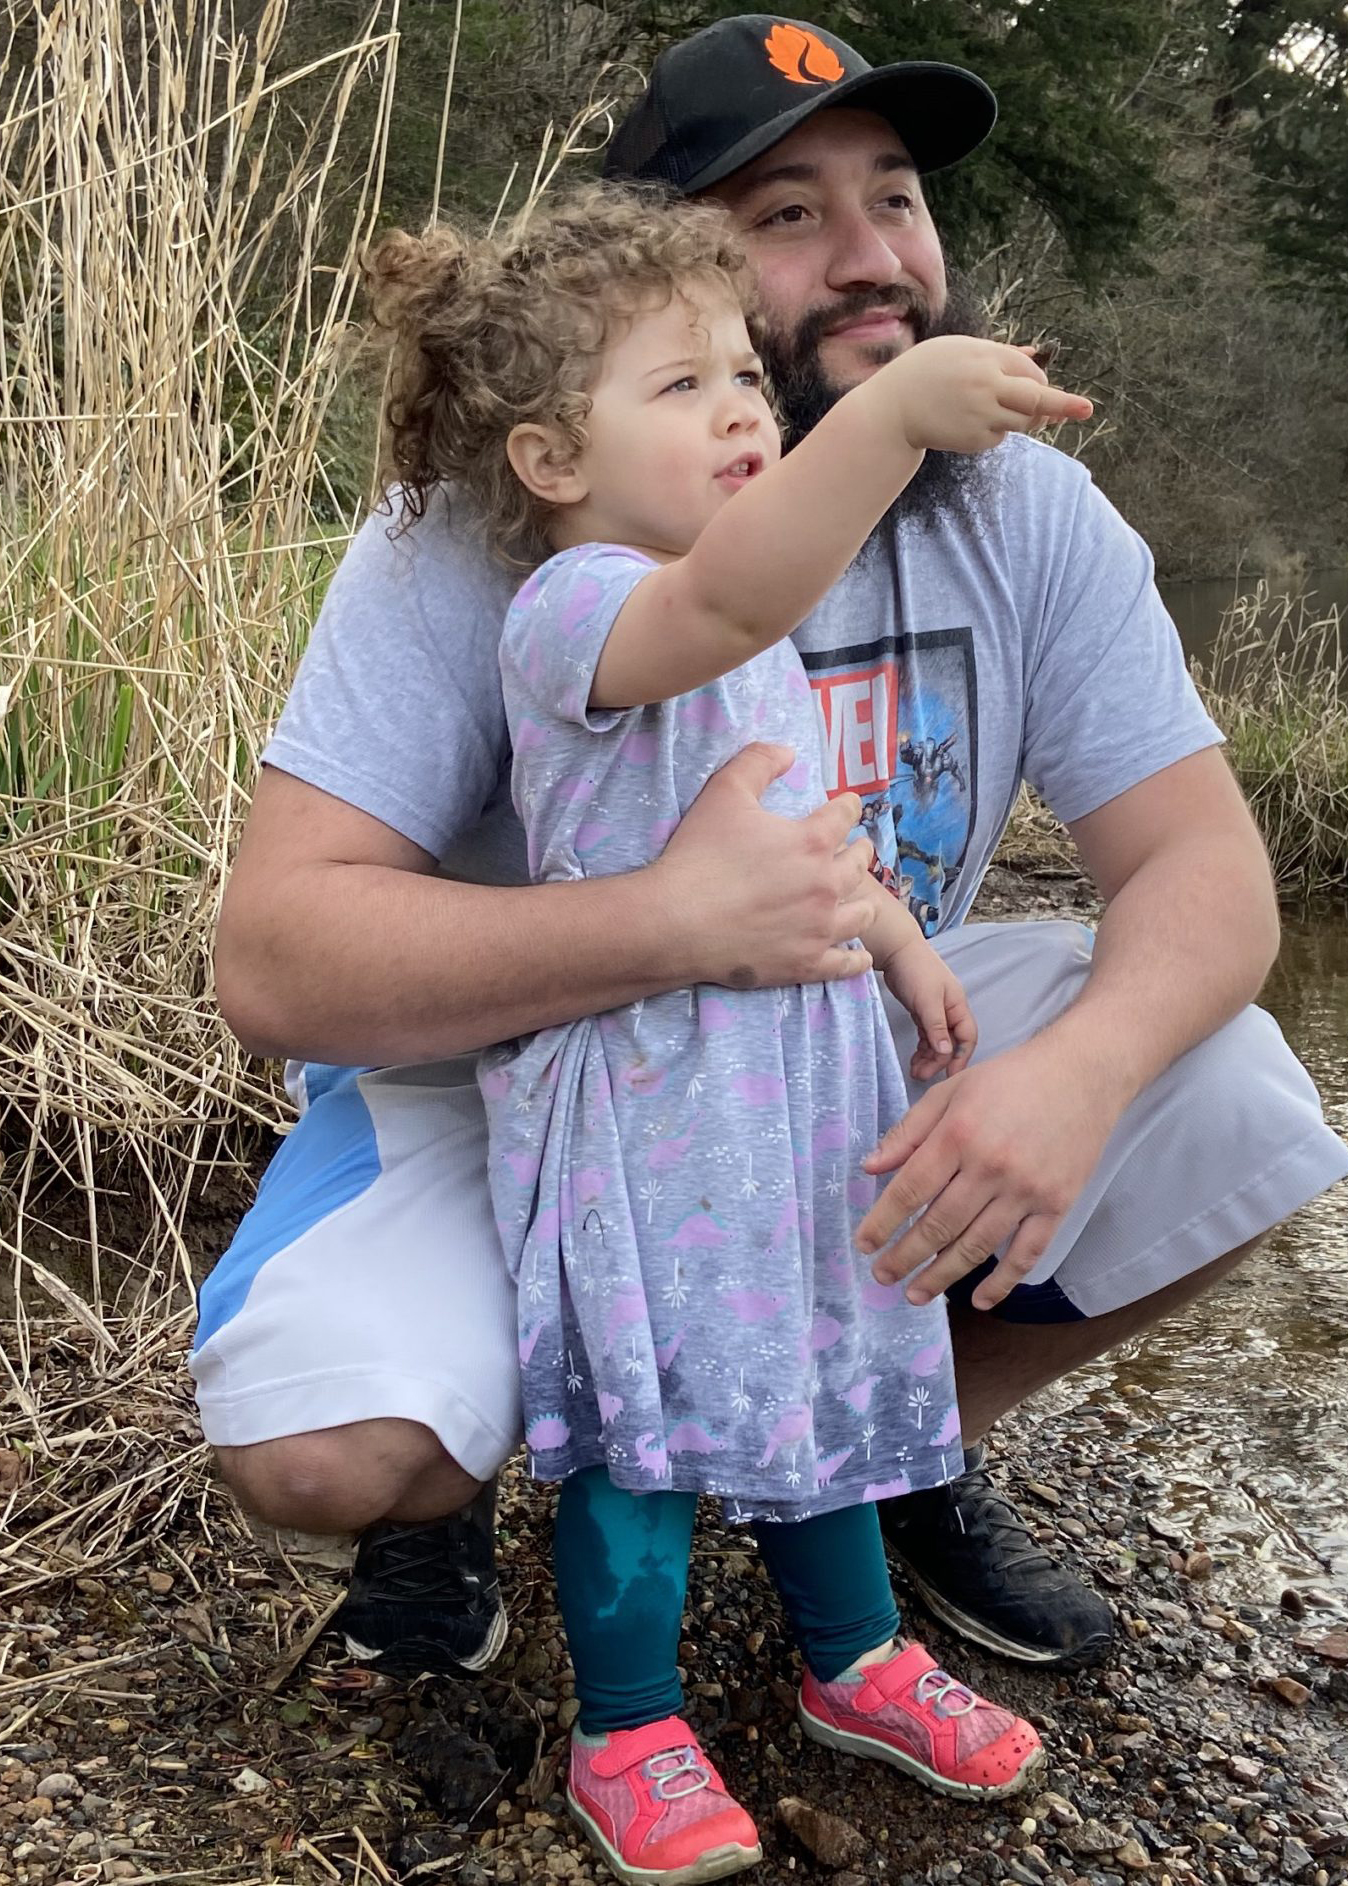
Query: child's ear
[[545, 465]]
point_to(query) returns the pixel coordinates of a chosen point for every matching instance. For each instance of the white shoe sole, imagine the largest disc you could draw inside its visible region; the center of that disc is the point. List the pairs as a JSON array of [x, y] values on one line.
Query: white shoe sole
[[719, 1863], [487, 1652], [983, 1635], [848, 1744]]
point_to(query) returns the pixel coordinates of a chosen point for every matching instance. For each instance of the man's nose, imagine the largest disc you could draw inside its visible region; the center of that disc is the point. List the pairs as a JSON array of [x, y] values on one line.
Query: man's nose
[[859, 256]]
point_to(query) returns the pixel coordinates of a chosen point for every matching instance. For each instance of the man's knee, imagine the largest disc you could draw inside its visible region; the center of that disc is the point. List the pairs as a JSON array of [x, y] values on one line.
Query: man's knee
[[343, 1479]]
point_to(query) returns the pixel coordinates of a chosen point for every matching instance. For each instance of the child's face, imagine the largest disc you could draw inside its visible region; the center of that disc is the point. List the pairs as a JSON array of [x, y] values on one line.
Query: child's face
[[678, 425]]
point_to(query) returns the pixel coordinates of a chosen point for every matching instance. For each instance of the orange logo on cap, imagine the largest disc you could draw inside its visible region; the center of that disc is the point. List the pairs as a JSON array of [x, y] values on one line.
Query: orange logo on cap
[[802, 56]]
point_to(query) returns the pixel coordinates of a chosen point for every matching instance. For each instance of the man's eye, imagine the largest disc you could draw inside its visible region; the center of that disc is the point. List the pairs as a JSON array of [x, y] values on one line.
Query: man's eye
[[792, 213], [898, 201]]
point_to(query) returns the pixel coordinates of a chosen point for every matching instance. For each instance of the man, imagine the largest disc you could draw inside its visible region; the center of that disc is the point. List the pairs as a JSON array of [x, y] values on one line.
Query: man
[[1130, 1126]]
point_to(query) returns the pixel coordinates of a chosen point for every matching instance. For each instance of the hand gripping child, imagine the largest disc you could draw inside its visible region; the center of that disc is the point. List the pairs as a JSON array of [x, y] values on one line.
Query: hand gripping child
[[677, 1182]]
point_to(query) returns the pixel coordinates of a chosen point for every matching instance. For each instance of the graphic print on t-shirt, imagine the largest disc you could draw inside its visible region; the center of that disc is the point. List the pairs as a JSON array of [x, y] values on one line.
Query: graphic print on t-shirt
[[898, 720]]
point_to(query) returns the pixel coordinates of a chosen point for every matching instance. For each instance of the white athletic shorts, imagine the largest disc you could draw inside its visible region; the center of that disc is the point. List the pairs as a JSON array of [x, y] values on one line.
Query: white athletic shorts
[[367, 1281]]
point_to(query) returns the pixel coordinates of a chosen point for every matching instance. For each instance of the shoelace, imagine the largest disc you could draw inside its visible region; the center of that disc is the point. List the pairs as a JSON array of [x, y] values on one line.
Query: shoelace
[[428, 1562], [994, 1514], [936, 1688], [685, 1763]]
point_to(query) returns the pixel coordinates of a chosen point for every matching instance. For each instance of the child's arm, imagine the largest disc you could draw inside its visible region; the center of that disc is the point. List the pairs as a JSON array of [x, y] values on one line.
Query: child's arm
[[916, 976], [779, 545]]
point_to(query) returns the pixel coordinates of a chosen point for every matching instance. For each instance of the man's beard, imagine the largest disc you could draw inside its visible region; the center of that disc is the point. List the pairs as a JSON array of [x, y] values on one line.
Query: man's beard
[[947, 485]]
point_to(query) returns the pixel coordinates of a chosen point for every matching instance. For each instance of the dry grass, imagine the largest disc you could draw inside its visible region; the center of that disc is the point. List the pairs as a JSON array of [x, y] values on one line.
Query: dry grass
[[159, 467], [1276, 683]]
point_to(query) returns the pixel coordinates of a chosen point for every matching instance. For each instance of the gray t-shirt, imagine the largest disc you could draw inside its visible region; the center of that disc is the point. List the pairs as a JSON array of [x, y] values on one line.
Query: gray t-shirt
[[948, 665]]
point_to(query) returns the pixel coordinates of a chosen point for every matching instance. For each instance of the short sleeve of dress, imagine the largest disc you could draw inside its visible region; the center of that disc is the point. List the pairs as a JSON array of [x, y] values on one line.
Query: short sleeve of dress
[[554, 634]]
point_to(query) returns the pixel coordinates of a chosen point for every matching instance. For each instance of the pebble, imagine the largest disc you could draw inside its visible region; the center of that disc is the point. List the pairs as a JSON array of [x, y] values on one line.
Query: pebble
[[1290, 1691], [833, 1841], [1295, 1856], [59, 1787]]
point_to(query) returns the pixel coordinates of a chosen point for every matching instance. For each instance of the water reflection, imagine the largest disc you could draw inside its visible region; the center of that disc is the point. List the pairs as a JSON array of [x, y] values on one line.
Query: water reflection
[[1241, 1405]]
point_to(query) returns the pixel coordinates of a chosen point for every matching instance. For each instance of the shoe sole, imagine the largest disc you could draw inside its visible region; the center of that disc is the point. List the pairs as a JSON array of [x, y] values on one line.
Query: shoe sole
[[864, 1745], [1094, 1650], [406, 1660], [719, 1863]]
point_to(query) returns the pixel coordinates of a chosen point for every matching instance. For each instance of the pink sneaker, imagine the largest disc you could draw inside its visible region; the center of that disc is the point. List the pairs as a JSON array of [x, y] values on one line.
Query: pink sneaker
[[656, 1808], [907, 1711]]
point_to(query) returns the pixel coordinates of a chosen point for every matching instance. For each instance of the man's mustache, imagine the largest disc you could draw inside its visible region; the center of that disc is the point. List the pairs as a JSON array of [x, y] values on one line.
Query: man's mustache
[[909, 303]]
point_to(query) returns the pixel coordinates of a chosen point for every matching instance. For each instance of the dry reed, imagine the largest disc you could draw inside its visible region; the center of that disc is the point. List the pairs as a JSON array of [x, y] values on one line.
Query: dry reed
[[1276, 683], [176, 293]]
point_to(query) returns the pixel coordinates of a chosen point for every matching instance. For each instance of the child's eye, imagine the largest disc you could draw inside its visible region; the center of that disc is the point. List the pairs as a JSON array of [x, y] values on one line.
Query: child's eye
[[750, 376], [688, 383]]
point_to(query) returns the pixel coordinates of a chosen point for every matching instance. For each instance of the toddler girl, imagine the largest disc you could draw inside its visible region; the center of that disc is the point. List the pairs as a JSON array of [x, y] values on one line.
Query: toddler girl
[[677, 1181]]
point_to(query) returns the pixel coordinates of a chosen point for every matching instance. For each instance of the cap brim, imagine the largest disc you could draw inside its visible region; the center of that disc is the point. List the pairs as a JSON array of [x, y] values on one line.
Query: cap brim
[[941, 112]]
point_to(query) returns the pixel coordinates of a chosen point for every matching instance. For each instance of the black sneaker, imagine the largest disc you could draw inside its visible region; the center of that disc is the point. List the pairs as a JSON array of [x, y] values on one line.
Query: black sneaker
[[424, 1600], [973, 1562]]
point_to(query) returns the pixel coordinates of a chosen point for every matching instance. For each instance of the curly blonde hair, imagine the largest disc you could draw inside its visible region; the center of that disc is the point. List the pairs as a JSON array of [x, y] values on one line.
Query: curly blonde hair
[[485, 335]]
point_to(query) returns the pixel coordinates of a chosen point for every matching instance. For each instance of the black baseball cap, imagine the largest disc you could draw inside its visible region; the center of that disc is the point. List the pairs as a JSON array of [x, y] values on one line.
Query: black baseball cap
[[718, 100]]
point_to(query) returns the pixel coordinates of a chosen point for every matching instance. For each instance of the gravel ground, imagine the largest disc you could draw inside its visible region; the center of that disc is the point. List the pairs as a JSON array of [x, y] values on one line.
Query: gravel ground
[[161, 1724], [166, 1713]]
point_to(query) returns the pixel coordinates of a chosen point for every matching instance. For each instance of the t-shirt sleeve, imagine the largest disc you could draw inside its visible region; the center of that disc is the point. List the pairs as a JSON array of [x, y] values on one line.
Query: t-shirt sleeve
[[1109, 698], [554, 635], [396, 706]]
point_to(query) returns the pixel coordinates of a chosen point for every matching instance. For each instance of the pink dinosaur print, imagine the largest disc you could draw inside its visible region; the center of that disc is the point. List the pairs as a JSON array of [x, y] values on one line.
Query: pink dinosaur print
[[524, 1165], [495, 1082], [831, 1137], [690, 1437], [665, 1154], [528, 1342], [660, 831], [714, 1016], [753, 1306], [825, 1331], [928, 1360], [882, 1297], [591, 1183], [699, 1232], [546, 1433], [949, 1430], [639, 748], [825, 1469], [703, 710], [652, 1459], [591, 835], [759, 1090], [791, 1426], [627, 1307], [610, 1407], [858, 1396], [666, 1351], [887, 1489]]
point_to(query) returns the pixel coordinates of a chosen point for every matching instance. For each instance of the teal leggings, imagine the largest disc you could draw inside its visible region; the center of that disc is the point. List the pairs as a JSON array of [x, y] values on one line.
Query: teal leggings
[[622, 1574]]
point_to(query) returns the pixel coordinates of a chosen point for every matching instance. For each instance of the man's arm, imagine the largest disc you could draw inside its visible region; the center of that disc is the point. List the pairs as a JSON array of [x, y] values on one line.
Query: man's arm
[[337, 942], [1190, 930]]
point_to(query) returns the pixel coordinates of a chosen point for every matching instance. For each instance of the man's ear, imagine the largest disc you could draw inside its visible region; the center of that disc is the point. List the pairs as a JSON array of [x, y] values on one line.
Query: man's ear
[[545, 465]]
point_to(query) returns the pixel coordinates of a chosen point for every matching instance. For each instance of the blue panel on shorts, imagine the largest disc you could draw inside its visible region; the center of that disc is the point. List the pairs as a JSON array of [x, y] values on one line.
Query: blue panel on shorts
[[330, 1157], [1047, 1302]]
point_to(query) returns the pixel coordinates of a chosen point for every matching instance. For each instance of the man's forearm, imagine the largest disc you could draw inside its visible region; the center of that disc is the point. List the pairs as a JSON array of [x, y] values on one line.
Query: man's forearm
[[1183, 946], [392, 966]]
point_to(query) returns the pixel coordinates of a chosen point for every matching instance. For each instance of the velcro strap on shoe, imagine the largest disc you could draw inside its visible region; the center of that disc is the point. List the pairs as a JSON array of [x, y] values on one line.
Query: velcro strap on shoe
[[627, 1747], [896, 1675]]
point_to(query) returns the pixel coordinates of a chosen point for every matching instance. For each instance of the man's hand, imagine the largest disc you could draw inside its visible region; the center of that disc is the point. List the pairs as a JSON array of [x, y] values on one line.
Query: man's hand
[[997, 1152], [761, 900]]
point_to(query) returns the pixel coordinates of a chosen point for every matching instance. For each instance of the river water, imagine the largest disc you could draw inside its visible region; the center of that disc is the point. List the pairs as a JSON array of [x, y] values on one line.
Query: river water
[[1198, 607], [1240, 1406]]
